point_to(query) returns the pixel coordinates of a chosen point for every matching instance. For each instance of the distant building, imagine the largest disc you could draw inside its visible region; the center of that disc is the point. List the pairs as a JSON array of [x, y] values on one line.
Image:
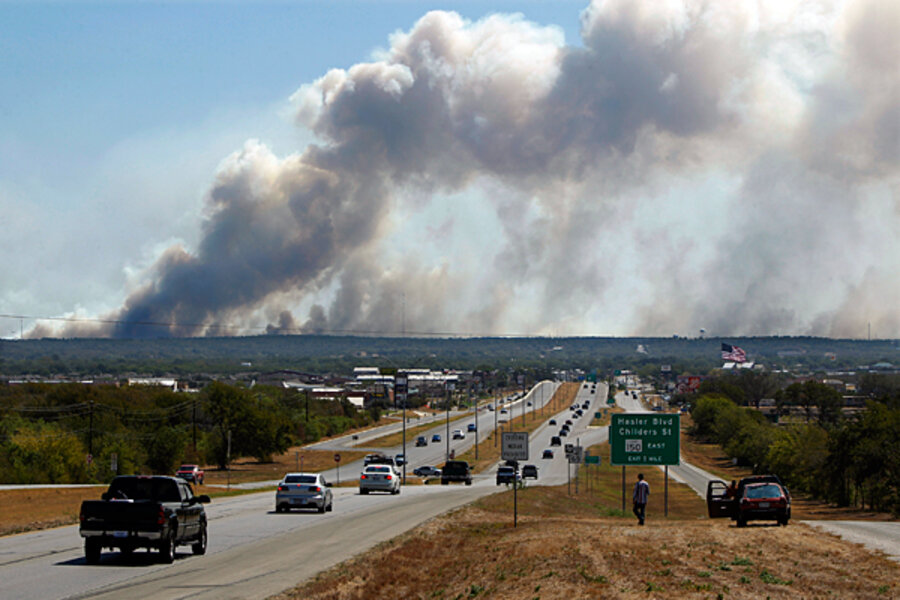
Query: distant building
[[155, 381]]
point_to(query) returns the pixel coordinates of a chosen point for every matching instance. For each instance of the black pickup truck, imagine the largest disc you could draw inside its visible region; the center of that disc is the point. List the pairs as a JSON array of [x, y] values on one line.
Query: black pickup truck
[[139, 511]]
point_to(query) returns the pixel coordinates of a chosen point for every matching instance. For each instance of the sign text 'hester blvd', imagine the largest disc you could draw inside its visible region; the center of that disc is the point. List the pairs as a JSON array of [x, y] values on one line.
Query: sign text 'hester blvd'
[[644, 439]]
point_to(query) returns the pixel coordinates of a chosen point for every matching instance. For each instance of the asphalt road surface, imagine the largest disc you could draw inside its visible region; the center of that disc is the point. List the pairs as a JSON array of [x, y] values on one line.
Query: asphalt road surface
[[253, 551]]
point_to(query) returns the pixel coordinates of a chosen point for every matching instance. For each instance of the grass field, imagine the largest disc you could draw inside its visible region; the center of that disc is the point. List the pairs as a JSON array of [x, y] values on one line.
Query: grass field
[[584, 547]]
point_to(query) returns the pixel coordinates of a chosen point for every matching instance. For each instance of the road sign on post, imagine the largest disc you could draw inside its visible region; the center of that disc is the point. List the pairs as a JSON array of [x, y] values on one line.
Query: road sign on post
[[644, 439], [514, 445]]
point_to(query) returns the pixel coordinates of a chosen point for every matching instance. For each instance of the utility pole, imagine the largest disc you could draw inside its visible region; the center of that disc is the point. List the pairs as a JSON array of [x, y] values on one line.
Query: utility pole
[[91, 431], [194, 423], [496, 408], [476, 427], [448, 421]]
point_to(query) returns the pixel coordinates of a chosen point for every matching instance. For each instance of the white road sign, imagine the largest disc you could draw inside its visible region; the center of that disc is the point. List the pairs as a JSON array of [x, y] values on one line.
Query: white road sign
[[514, 445]]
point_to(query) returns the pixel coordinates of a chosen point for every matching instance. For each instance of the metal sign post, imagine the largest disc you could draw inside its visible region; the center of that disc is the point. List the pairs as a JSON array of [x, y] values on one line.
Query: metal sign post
[[337, 460]]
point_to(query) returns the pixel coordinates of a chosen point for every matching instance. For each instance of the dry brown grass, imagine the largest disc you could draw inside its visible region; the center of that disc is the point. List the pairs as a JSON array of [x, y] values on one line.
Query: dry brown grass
[[32, 509], [565, 547], [489, 446]]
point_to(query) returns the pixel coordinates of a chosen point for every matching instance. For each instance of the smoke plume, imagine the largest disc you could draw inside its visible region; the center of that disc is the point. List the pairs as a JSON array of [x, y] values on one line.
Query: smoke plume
[[726, 165]]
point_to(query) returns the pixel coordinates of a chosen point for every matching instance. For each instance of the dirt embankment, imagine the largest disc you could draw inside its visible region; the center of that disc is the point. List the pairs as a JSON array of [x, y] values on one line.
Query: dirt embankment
[[565, 548]]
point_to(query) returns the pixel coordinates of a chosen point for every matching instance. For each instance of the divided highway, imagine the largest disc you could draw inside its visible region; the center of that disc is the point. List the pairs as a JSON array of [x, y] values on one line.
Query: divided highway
[[255, 552]]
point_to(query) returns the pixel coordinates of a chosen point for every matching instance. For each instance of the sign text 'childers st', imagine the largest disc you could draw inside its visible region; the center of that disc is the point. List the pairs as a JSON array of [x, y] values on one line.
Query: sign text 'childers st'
[[644, 439]]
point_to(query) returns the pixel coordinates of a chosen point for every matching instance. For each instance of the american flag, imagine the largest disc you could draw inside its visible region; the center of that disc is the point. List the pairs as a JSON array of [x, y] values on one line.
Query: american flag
[[734, 353]]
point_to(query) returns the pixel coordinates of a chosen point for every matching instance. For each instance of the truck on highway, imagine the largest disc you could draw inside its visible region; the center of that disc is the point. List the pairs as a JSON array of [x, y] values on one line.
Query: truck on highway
[[456, 470], [139, 511]]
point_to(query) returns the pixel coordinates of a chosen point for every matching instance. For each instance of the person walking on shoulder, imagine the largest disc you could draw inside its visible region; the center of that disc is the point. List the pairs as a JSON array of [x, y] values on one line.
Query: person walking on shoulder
[[640, 496]]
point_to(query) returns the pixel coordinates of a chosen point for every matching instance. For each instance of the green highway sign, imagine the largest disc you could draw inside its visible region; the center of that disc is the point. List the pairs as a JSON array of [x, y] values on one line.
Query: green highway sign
[[592, 460], [644, 439], [610, 400]]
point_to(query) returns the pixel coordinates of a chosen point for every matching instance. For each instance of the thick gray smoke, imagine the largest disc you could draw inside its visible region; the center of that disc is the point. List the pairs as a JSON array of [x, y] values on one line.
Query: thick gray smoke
[[727, 165]]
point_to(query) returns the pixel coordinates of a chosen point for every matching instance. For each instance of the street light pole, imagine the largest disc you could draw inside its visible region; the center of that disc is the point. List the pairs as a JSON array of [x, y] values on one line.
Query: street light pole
[[447, 453], [495, 422], [476, 427]]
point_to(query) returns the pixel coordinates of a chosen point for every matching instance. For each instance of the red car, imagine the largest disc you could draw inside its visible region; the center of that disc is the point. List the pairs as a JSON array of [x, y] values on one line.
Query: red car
[[190, 473], [757, 498]]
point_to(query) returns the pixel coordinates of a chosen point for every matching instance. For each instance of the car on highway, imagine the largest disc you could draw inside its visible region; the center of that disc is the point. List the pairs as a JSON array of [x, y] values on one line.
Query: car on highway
[[190, 473], [555, 441], [379, 478], [552, 422], [421, 441], [471, 428], [491, 407], [456, 470], [459, 434], [579, 412], [548, 453], [503, 411], [530, 472], [436, 438], [507, 475], [563, 433], [757, 497], [400, 460], [565, 427], [528, 403], [427, 471], [568, 421], [370, 458], [303, 490], [142, 511]]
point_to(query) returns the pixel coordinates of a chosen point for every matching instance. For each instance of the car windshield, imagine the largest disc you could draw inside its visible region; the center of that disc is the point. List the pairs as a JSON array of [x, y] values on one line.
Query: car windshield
[[769, 490], [144, 488], [300, 479]]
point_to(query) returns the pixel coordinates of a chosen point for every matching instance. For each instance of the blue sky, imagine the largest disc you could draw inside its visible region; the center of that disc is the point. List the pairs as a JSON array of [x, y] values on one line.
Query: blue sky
[[81, 76]]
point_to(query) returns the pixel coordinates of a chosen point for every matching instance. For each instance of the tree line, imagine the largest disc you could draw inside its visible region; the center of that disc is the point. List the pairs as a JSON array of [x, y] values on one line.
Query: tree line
[[850, 459], [68, 433]]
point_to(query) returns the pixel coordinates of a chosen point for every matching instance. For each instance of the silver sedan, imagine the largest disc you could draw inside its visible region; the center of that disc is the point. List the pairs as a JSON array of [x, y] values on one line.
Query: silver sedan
[[381, 478], [303, 490]]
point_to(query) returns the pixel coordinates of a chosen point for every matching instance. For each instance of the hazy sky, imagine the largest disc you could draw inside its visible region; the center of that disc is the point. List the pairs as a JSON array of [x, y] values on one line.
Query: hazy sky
[[554, 168]]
